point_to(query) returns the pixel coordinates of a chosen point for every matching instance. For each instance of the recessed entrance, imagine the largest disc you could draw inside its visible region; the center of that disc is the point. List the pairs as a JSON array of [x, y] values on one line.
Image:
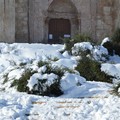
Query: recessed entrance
[[58, 29]]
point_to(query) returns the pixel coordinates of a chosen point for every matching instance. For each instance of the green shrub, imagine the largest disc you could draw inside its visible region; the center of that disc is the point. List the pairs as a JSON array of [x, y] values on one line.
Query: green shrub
[[113, 48], [22, 64], [109, 46], [21, 84], [42, 63], [116, 48], [45, 90], [56, 70], [80, 51], [5, 78], [90, 69], [69, 43], [115, 89], [114, 45], [82, 38]]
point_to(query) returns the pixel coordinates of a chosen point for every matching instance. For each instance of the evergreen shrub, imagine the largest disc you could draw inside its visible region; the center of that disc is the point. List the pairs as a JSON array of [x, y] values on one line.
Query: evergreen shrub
[[90, 69]]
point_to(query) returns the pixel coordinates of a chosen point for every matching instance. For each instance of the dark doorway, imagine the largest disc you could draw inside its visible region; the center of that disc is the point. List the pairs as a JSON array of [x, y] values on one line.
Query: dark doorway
[[58, 29]]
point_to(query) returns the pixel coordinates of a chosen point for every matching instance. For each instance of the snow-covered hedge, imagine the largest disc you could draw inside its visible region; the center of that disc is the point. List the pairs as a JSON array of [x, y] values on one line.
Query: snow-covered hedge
[[45, 79]]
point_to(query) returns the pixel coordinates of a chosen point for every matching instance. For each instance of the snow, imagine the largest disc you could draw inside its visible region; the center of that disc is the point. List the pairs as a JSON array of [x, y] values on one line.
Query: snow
[[84, 45], [111, 69], [99, 52], [20, 106], [105, 40], [66, 63], [82, 99], [15, 73], [36, 77], [69, 81]]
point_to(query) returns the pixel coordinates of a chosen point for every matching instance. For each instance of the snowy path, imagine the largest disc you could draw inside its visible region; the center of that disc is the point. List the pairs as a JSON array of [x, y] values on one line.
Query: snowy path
[[20, 106], [76, 109]]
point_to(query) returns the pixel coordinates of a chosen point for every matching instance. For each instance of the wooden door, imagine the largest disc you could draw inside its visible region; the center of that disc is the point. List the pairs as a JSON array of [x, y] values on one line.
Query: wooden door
[[58, 29]]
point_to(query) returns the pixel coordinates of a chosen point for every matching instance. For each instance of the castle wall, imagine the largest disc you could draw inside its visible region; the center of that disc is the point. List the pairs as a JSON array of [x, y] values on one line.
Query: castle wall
[[21, 21], [28, 20], [105, 18], [117, 15], [7, 21]]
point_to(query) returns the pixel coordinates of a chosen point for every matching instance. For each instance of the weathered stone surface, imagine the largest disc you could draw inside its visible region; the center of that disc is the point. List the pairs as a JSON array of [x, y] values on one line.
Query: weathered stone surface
[[7, 21], [28, 20], [21, 21]]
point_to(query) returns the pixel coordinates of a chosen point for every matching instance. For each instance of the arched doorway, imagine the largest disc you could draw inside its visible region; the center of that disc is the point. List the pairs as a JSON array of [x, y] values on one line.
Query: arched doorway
[[61, 21], [58, 29]]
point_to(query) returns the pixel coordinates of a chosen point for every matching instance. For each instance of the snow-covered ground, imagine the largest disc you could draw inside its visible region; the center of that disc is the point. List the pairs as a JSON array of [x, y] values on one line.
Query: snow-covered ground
[[20, 106], [87, 101]]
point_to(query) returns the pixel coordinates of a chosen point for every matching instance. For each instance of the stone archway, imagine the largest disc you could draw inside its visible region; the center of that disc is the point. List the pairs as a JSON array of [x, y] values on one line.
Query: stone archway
[[62, 9]]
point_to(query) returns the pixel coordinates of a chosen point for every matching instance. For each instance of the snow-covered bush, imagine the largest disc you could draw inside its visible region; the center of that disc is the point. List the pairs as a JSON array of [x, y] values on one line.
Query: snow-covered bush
[[70, 81], [90, 69], [47, 81], [113, 46], [108, 45], [97, 52], [44, 84], [116, 89], [83, 48], [100, 53], [44, 80], [69, 43], [21, 83]]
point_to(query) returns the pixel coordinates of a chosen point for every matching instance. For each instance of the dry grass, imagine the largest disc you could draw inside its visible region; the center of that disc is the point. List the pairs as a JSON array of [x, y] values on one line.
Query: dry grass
[[39, 102], [72, 102], [73, 107]]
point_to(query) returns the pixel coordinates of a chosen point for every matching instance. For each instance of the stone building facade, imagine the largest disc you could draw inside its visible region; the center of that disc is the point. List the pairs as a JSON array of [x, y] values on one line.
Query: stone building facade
[[44, 21]]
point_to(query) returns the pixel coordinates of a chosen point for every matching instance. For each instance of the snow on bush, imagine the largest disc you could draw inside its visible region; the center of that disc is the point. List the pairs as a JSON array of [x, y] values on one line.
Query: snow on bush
[[49, 80], [41, 83], [31, 68], [100, 53], [105, 40], [79, 47], [96, 52], [40, 77], [111, 69], [70, 81]]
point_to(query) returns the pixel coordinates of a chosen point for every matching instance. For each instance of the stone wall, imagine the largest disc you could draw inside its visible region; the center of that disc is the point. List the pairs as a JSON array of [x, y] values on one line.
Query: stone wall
[[117, 15], [82, 17], [21, 21], [27, 20], [7, 21], [105, 18], [36, 20]]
